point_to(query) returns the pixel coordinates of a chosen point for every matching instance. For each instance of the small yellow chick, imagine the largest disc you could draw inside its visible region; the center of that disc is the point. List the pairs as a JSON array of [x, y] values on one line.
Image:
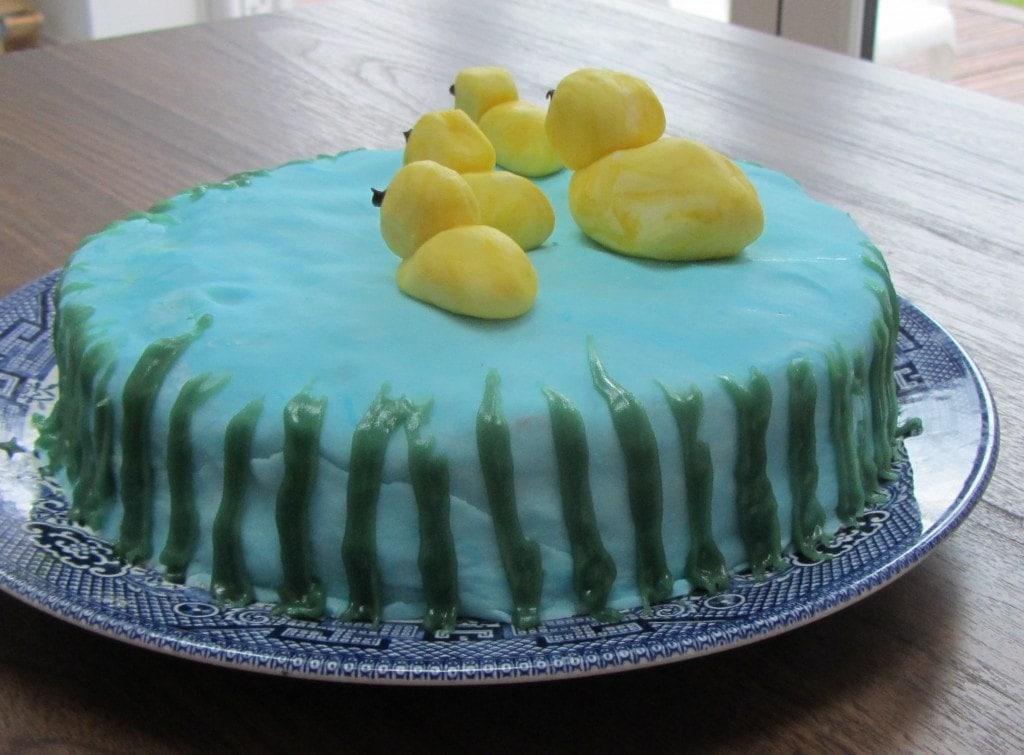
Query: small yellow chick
[[513, 204], [478, 89], [456, 262], [515, 127], [451, 138]]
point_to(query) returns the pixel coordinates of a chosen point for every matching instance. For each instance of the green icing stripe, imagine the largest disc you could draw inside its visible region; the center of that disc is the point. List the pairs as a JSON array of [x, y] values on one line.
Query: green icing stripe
[[439, 568], [229, 580], [705, 565], [884, 385], [756, 505], [82, 461], [140, 392], [850, 501], [59, 429], [359, 545], [643, 481], [301, 593], [875, 261], [520, 556], [183, 518], [593, 569], [99, 487], [808, 514], [864, 431], [98, 357], [885, 403], [883, 426]]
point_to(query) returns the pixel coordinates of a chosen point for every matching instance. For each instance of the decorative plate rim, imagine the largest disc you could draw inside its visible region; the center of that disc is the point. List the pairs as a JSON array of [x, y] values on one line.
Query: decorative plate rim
[[520, 656]]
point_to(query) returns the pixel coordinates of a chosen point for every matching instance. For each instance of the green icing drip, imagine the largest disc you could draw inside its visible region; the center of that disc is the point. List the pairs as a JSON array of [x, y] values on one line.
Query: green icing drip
[[643, 481], [593, 569], [520, 556], [183, 519], [808, 513], [140, 392], [99, 486], [884, 402], [359, 545], [439, 568], [874, 260], [705, 566], [56, 430], [864, 433], [842, 425], [85, 459], [883, 388], [301, 594], [756, 505], [86, 384], [229, 580]]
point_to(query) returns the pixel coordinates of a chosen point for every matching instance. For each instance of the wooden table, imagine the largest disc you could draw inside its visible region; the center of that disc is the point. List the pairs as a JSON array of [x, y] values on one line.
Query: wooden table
[[932, 662]]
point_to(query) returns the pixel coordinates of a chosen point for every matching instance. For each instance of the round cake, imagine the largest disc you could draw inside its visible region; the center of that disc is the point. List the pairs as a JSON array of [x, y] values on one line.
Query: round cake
[[249, 403]]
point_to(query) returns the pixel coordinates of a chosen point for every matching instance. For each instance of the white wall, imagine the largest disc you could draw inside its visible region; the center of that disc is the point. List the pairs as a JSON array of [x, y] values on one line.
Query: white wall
[[74, 20]]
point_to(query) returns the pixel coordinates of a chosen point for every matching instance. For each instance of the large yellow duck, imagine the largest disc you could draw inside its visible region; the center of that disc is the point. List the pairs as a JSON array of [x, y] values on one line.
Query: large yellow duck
[[636, 191]]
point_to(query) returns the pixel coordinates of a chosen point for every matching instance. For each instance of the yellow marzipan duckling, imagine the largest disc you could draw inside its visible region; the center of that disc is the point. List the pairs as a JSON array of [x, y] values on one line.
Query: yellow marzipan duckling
[[521, 145], [456, 262], [451, 138], [420, 202], [471, 270], [513, 204], [640, 193], [479, 88], [515, 127]]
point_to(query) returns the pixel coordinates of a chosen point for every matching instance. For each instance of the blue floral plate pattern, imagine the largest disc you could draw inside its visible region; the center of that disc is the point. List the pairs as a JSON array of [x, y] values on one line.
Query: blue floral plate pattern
[[70, 573]]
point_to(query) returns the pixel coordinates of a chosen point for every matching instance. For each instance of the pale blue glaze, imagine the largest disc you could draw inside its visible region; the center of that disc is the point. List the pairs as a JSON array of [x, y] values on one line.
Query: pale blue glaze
[[301, 290]]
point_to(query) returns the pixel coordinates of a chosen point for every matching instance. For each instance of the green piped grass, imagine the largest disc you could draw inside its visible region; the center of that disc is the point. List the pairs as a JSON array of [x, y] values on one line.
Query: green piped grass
[[438, 565], [301, 594], [520, 556], [643, 481], [705, 565], [756, 505], [593, 569], [359, 544], [135, 544], [183, 524], [808, 515], [229, 578]]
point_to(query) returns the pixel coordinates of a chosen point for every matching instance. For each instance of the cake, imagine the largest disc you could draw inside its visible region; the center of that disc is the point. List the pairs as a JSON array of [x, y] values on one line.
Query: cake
[[249, 404]]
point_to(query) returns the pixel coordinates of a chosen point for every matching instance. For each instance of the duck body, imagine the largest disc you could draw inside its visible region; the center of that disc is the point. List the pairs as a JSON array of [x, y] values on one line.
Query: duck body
[[672, 199]]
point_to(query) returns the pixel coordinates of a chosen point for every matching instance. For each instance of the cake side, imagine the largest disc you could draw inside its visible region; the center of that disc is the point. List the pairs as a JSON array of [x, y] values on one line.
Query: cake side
[[275, 288]]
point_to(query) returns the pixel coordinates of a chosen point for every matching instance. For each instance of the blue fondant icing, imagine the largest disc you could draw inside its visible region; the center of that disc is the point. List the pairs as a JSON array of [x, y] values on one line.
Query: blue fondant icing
[[300, 287]]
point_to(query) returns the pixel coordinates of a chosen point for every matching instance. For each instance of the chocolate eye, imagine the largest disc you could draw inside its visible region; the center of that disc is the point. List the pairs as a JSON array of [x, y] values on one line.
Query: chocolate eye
[[378, 197]]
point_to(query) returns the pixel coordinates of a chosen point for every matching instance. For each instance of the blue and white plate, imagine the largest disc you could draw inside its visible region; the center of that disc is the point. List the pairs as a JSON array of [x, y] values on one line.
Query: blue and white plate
[[70, 573]]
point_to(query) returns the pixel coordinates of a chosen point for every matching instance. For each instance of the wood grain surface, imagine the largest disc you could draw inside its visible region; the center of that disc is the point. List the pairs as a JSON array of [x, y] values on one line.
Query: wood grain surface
[[935, 175]]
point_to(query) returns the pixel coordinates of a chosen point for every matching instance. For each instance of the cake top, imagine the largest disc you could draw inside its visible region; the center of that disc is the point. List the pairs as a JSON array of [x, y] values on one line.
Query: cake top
[[291, 267]]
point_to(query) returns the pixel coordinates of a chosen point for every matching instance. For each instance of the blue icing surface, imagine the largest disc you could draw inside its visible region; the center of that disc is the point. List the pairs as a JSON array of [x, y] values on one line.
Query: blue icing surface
[[301, 289]]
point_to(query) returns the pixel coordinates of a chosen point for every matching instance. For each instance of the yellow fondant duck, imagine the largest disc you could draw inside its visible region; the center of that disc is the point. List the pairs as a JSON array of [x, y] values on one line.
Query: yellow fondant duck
[[430, 217], [518, 143], [515, 127], [636, 191]]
